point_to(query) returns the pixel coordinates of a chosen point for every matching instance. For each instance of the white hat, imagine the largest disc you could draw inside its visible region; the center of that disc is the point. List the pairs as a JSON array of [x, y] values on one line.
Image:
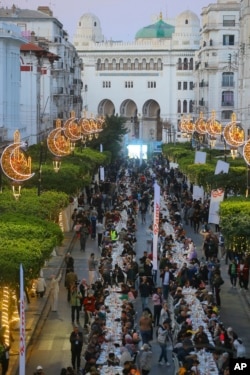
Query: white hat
[[39, 367]]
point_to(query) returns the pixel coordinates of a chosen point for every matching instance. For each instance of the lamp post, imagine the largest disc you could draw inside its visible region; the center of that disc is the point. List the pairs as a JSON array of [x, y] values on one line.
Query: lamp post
[[212, 142]]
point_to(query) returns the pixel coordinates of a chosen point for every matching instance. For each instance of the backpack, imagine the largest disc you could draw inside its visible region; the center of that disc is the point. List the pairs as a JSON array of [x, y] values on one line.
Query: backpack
[[162, 338]]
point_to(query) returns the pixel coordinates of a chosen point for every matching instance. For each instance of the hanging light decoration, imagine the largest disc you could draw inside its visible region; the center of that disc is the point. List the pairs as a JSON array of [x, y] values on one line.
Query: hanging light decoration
[[246, 152], [233, 133], [90, 127], [183, 124], [201, 125], [213, 126], [15, 165], [58, 145], [72, 130], [189, 125]]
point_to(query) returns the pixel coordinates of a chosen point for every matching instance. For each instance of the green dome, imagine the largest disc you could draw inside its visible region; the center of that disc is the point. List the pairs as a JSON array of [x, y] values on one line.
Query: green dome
[[160, 29]]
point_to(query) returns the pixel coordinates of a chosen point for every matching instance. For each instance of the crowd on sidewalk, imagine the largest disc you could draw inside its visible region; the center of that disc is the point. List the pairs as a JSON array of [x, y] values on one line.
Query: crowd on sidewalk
[[109, 213]]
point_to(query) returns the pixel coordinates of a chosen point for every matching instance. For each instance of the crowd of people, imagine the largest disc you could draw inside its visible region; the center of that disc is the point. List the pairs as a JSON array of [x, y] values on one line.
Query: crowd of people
[[114, 208]]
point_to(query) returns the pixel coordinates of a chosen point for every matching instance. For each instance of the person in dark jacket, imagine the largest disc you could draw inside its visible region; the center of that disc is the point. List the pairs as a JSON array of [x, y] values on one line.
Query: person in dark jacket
[[76, 340]]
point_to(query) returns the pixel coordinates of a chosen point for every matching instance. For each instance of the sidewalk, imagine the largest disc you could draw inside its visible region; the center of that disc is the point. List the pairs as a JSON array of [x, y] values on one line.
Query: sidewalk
[[37, 310]]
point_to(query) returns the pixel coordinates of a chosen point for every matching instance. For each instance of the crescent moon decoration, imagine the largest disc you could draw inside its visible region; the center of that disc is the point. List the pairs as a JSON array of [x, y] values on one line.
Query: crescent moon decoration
[[15, 165], [72, 130], [201, 125], [190, 126], [233, 133], [57, 143], [246, 152], [213, 126]]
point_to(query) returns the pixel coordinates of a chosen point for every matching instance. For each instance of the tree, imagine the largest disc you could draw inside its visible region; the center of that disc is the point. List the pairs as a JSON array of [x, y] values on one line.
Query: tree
[[112, 136]]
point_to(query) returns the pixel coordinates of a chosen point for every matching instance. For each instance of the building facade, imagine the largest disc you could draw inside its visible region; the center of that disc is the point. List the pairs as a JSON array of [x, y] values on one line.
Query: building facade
[[217, 61], [149, 81], [244, 66], [10, 42], [49, 82]]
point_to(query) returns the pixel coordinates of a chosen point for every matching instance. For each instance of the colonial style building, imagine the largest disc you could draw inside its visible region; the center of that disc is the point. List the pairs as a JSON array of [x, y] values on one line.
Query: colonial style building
[[217, 61], [10, 42], [50, 82], [244, 66], [149, 81]]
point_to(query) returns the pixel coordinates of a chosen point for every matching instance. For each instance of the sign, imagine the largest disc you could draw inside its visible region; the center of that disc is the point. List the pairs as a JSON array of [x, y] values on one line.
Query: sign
[[156, 224]]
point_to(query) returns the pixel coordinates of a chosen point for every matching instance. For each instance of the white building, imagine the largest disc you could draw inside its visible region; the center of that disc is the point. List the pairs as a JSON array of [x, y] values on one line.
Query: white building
[[244, 66], [149, 81], [50, 87], [217, 61], [10, 42]]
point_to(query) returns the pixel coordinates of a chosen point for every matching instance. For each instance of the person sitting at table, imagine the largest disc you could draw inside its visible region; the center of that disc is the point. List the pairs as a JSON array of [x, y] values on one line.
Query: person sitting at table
[[112, 360], [129, 344], [200, 338], [125, 355]]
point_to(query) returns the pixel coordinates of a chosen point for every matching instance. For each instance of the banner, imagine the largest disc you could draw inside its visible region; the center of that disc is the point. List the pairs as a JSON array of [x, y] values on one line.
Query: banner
[[217, 196], [22, 326], [156, 224]]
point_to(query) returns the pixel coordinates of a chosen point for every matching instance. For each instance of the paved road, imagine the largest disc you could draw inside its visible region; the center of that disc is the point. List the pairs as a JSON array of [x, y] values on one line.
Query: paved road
[[50, 343]]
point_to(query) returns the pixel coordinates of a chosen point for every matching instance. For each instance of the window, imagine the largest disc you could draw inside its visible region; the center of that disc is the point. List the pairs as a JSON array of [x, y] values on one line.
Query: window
[[228, 20], [190, 106], [185, 85], [106, 84], [228, 79], [128, 84], [179, 106], [226, 115], [179, 64], [228, 40], [151, 84], [227, 98], [191, 64], [185, 64], [191, 85], [186, 22], [179, 85], [184, 106]]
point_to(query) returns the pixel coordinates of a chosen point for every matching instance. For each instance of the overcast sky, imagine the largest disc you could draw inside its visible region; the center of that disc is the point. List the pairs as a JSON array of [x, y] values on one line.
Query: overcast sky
[[120, 19]]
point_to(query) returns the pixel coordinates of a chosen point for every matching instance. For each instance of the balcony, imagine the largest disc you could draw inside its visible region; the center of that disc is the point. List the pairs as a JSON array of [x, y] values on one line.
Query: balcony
[[228, 103]]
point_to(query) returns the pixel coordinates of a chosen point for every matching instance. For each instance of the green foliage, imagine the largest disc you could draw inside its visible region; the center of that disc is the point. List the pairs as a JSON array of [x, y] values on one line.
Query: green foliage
[[112, 136], [203, 174]]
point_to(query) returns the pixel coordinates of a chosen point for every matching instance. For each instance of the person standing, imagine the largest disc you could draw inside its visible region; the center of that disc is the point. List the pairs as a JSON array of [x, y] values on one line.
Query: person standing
[[145, 326], [92, 265], [84, 233], [54, 287], [232, 272], [41, 286], [167, 277], [157, 302], [74, 218], [99, 230], [145, 290], [243, 273], [75, 302], [163, 337], [70, 281], [146, 359], [76, 341]]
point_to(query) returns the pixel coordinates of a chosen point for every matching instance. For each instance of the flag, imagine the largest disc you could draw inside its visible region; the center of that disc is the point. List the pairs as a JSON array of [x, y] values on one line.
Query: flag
[[22, 326], [156, 224]]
